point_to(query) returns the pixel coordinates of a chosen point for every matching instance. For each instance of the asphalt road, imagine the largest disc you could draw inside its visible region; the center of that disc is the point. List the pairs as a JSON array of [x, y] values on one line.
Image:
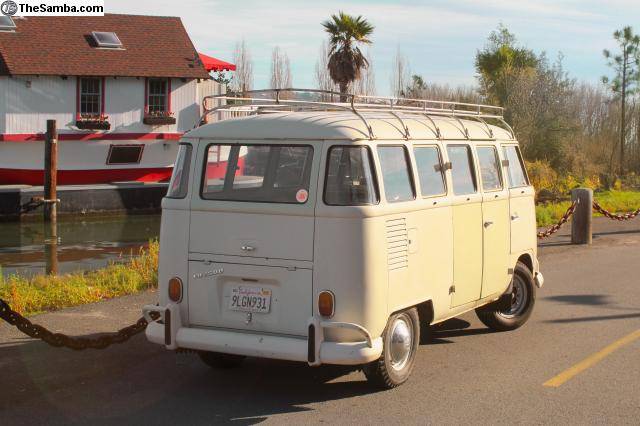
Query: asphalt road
[[464, 373]]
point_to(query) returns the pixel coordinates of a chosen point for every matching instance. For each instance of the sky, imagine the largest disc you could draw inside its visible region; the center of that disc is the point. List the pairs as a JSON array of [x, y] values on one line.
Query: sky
[[439, 37]]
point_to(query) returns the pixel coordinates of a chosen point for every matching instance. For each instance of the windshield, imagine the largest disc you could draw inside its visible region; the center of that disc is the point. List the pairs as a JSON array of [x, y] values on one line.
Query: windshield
[[259, 173]]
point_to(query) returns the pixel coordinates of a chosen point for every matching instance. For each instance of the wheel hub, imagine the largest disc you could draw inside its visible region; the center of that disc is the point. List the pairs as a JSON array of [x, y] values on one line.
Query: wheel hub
[[519, 297], [401, 343]]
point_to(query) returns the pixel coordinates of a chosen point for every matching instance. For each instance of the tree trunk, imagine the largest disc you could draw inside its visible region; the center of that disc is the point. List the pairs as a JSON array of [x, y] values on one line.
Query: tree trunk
[[344, 89], [623, 113]]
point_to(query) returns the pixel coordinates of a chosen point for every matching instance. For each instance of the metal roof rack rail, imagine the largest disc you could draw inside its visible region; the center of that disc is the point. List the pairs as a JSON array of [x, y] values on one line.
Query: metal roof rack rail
[[272, 100]]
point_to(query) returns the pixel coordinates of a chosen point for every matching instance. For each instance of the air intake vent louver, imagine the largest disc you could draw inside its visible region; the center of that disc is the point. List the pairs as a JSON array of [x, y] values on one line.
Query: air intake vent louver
[[397, 244]]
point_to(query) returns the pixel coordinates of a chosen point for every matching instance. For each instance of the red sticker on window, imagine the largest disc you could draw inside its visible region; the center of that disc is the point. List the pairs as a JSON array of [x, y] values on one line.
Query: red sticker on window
[[302, 196]]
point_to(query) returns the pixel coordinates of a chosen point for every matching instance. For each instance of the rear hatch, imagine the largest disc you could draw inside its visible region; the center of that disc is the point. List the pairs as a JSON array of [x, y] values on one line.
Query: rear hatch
[[251, 238]]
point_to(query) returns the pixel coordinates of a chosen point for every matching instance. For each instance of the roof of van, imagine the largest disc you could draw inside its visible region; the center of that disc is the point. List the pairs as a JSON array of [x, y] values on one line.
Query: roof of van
[[323, 125]]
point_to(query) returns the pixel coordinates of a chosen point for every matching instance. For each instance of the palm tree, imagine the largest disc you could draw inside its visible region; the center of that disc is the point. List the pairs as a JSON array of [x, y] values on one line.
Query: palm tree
[[346, 61]]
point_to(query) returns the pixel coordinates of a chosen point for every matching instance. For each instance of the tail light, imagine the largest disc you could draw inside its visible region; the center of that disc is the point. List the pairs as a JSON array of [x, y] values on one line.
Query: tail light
[[175, 289], [326, 303]]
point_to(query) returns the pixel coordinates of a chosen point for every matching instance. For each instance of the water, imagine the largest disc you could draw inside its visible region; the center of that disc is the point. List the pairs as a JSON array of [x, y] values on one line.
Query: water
[[83, 243]]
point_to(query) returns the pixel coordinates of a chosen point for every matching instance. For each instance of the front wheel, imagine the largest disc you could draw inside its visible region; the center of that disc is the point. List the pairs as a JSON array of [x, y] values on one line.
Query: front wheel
[[400, 344], [523, 298]]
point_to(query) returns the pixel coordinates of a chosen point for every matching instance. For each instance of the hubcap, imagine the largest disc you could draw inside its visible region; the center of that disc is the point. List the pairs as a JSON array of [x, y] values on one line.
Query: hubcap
[[519, 299], [401, 342]]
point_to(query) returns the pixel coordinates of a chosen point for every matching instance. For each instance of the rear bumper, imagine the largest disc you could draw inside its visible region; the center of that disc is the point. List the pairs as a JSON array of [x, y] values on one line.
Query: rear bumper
[[314, 349]]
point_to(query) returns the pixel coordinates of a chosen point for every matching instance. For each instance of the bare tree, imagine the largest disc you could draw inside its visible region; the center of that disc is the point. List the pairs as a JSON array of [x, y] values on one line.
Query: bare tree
[[280, 69], [400, 74], [366, 84], [243, 79], [322, 76]]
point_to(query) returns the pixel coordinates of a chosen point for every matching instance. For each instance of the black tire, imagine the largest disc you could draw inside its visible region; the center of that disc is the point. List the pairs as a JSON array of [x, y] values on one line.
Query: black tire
[[523, 300], [221, 361], [392, 369]]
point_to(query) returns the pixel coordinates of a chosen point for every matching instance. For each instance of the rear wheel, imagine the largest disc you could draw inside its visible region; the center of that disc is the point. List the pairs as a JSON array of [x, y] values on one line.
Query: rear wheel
[[523, 298], [400, 344], [219, 360]]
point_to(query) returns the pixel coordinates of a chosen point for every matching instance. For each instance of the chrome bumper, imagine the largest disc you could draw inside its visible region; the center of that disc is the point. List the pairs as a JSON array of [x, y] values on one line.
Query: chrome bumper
[[314, 349], [539, 279]]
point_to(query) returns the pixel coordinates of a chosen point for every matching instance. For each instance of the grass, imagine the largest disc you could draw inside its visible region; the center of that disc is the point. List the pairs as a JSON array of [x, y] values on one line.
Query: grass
[[31, 295], [614, 201]]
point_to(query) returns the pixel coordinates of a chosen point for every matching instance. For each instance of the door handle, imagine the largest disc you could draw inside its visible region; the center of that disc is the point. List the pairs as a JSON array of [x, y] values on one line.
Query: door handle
[[248, 248], [515, 217], [488, 224]]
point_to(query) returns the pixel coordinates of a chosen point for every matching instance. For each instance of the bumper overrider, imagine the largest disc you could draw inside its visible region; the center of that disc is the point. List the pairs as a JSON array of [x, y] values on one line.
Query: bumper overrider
[[168, 330]]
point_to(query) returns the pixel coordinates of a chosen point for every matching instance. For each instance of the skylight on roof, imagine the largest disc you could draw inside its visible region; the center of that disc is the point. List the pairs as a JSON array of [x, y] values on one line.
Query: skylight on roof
[[106, 39], [6, 23]]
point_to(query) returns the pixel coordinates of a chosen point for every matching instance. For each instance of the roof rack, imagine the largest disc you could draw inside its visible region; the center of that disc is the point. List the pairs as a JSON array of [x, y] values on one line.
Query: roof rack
[[276, 100]]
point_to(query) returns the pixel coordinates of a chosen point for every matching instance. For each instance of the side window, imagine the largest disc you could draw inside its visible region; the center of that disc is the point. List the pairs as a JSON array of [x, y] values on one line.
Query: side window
[[349, 179], [517, 174], [489, 168], [394, 164], [430, 171], [179, 184], [462, 170]]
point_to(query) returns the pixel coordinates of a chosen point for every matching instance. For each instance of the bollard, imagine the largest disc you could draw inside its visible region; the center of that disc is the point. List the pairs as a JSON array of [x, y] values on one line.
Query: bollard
[[581, 232], [51, 172]]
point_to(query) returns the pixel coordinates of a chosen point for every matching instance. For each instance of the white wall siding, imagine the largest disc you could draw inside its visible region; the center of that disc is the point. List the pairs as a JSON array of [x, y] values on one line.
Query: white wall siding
[[26, 109]]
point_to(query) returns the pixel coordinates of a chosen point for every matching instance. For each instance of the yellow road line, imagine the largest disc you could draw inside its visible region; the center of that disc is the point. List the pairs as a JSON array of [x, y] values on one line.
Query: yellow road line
[[591, 360]]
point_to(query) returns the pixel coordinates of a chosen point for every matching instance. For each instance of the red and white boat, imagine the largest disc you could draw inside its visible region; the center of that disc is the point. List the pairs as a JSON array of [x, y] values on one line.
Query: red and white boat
[[122, 88]]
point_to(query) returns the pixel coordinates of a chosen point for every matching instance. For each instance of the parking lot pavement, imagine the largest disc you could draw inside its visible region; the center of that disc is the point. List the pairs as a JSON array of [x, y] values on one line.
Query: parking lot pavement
[[464, 373]]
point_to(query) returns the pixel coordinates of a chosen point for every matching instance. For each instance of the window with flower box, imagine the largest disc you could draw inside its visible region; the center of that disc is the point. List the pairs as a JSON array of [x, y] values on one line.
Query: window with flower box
[[158, 102], [90, 104]]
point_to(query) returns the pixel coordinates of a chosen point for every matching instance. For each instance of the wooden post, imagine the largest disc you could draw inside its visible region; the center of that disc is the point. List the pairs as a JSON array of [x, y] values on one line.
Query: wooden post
[[51, 172], [581, 228], [51, 248]]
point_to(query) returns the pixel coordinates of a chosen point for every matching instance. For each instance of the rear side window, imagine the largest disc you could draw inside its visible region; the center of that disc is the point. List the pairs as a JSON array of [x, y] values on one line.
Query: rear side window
[[179, 184], [258, 173], [517, 174], [489, 168], [350, 179], [430, 170], [462, 170], [394, 165]]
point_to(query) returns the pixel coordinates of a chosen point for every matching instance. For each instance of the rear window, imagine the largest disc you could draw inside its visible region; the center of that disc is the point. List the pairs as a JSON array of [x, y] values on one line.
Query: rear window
[[517, 174], [257, 173], [350, 178], [179, 184]]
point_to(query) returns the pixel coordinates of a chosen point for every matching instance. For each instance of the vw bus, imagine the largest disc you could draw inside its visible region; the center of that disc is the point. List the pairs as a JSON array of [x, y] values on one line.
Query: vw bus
[[332, 233]]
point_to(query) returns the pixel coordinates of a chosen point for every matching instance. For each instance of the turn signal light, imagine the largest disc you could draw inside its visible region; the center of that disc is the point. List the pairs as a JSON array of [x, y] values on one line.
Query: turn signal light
[[326, 304], [175, 289]]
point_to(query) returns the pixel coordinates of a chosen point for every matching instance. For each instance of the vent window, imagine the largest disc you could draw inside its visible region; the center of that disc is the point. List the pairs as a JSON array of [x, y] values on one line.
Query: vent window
[[6, 23], [124, 154], [106, 39]]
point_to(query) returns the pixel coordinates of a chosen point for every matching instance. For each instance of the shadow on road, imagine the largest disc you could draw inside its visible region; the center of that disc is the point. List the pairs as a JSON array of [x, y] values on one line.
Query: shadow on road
[[593, 318]]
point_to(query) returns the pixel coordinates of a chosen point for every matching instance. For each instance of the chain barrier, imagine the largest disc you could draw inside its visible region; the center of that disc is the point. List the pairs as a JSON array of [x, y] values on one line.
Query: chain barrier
[[62, 340], [555, 228], [626, 216]]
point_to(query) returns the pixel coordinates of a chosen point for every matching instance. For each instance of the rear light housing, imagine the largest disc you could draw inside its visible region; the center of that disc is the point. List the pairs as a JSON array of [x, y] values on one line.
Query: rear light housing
[[175, 289], [326, 303]]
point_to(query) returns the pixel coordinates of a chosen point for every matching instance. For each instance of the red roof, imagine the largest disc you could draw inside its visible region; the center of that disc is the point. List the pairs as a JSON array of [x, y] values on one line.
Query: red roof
[[153, 46], [213, 64]]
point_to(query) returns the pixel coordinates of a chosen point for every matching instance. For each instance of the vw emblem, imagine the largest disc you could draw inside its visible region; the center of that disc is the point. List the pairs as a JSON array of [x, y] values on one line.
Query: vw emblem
[[9, 7]]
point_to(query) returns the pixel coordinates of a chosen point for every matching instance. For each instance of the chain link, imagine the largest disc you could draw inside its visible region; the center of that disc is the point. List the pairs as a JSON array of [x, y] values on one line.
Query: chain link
[[555, 228], [626, 216], [62, 340]]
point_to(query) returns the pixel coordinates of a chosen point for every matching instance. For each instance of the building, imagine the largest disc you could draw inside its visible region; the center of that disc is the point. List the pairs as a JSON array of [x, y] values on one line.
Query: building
[[122, 88]]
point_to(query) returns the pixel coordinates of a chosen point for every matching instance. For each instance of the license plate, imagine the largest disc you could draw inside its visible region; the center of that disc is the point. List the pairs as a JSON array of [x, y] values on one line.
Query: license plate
[[250, 299]]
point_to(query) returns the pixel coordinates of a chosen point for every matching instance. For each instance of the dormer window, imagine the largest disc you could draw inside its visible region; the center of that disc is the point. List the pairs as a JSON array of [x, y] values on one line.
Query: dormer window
[[106, 40], [6, 23]]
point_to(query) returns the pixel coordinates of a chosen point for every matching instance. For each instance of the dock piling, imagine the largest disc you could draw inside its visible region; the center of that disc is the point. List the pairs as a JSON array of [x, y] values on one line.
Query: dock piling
[[51, 172]]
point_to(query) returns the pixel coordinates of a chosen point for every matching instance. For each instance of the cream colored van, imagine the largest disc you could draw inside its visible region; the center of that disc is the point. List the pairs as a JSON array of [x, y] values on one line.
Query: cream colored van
[[332, 233]]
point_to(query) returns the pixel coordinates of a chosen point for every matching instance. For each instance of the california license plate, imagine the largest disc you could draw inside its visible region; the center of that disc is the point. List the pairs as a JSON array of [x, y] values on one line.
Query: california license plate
[[250, 299]]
